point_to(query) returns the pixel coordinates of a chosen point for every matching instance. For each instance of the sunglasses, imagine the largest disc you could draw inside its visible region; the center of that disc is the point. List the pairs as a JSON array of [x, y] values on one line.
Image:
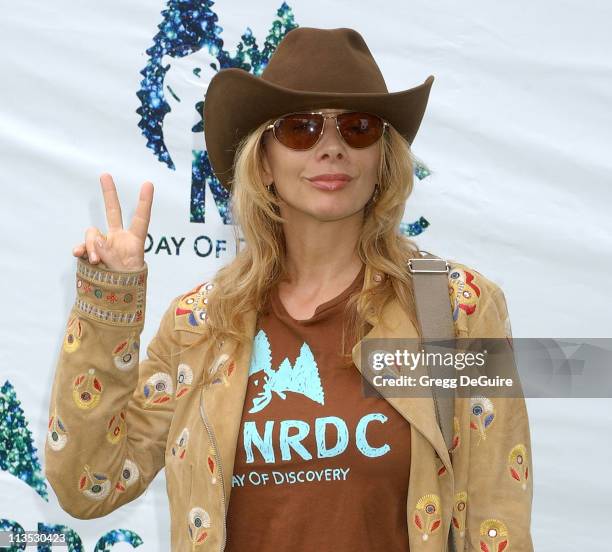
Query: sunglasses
[[301, 131]]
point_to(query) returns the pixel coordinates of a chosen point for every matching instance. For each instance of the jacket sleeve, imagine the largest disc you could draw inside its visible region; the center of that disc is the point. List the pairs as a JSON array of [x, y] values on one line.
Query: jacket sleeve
[[500, 477], [109, 415]]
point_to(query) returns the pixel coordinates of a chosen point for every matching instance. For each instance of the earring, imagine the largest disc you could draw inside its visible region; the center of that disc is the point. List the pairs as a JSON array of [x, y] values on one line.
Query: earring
[[375, 194]]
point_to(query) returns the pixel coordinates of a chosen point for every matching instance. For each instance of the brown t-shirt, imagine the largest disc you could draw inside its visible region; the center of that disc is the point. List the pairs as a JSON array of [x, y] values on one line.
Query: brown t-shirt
[[319, 465]]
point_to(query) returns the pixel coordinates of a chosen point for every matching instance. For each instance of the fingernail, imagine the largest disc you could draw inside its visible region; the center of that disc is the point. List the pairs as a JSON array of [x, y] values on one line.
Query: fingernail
[[94, 257], [100, 242]]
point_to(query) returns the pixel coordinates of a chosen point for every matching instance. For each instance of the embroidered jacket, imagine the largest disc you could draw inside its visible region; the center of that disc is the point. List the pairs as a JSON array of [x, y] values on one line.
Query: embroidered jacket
[[115, 421]]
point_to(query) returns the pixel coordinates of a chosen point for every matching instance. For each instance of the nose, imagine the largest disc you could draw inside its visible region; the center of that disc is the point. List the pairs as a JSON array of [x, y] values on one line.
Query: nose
[[330, 143]]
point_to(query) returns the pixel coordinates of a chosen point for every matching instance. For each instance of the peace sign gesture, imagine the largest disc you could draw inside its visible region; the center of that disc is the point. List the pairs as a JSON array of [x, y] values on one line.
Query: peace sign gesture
[[121, 250]]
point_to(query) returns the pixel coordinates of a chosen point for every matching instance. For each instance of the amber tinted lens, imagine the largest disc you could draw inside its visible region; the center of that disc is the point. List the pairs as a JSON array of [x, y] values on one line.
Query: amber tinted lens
[[298, 130], [360, 130]]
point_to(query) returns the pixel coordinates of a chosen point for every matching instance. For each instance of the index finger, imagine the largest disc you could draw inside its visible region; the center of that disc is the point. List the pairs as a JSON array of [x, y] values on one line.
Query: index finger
[[142, 216], [111, 202]]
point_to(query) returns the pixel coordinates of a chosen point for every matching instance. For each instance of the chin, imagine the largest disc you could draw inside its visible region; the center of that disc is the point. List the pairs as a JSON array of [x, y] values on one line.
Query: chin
[[333, 212], [325, 208]]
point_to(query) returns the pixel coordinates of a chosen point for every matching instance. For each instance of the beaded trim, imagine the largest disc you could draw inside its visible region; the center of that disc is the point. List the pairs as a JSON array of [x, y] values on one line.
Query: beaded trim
[[102, 294], [109, 296], [111, 278], [107, 315]]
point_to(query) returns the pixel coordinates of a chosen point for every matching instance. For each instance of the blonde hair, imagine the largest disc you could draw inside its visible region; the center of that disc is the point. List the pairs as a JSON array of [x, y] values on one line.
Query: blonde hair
[[245, 282]]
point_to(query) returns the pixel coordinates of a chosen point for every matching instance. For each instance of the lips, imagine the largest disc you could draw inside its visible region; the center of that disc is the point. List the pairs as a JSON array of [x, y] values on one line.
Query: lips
[[331, 177], [330, 181]]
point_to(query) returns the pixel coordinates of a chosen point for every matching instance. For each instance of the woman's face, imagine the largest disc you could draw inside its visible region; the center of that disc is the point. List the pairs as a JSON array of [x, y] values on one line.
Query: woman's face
[[294, 174]]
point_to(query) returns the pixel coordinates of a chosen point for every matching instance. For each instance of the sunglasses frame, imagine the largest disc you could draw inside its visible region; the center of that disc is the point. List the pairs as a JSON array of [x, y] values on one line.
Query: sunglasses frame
[[272, 126]]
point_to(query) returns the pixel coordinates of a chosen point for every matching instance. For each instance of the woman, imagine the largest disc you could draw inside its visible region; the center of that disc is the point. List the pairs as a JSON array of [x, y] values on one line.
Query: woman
[[252, 384]]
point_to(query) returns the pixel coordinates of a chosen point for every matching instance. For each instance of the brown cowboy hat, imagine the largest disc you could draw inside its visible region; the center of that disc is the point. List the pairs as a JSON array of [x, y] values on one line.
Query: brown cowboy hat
[[310, 68]]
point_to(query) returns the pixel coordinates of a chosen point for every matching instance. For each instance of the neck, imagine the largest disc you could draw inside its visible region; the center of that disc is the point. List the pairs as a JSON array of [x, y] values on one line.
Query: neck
[[321, 253]]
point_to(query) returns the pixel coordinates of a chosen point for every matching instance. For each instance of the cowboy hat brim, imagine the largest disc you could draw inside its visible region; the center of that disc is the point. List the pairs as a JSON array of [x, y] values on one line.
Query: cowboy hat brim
[[237, 101]]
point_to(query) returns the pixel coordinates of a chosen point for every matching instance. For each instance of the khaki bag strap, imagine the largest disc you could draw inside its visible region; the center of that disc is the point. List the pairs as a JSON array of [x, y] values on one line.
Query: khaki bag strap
[[430, 281]]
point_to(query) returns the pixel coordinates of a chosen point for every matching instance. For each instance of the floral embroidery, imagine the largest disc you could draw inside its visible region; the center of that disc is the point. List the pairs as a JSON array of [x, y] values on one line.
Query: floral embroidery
[[199, 521], [116, 428], [493, 536], [129, 475], [483, 414], [184, 380], [464, 292], [517, 464], [125, 353], [459, 512], [57, 435], [219, 362], [440, 467], [426, 517], [193, 304], [179, 449], [158, 389], [74, 333], [94, 485], [456, 435], [212, 464], [222, 368], [85, 288], [87, 390]]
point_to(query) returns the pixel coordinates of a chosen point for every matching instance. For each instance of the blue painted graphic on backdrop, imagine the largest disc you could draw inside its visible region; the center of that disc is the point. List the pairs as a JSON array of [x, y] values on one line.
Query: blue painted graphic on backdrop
[[18, 454], [186, 28]]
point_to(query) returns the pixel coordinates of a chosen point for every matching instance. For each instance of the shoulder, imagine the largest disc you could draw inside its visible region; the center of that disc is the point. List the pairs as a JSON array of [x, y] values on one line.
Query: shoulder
[[474, 298], [189, 308]]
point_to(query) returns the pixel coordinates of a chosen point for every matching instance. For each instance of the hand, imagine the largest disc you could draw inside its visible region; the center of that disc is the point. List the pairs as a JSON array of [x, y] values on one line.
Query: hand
[[122, 250]]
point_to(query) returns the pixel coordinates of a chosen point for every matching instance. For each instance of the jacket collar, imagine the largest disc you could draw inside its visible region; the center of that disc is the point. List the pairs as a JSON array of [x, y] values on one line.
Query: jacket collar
[[419, 411]]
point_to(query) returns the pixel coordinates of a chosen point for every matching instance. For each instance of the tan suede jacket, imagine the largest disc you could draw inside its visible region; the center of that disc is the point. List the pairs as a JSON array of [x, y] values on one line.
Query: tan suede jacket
[[115, 421]]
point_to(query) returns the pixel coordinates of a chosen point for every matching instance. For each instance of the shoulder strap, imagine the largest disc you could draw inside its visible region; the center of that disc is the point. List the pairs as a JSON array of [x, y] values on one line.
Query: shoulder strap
[[430, 281]]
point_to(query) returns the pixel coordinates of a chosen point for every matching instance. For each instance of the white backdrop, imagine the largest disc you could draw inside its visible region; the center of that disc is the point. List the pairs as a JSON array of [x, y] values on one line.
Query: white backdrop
[[517, 135]]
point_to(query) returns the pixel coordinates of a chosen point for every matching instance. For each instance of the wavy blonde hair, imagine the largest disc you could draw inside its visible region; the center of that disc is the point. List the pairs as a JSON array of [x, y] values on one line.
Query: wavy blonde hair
[[245, 283]]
